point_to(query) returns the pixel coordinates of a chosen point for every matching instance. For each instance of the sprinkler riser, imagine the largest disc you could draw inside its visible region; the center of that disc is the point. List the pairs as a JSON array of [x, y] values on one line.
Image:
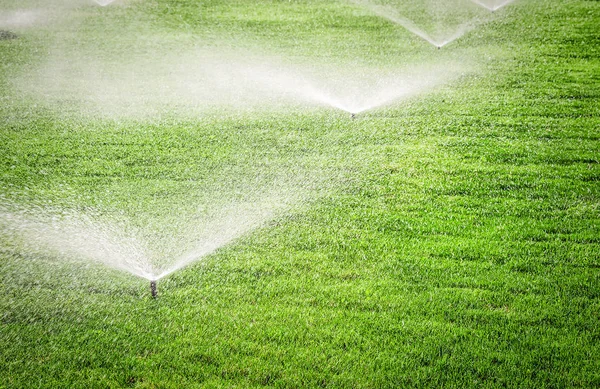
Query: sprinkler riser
[[153, 288]]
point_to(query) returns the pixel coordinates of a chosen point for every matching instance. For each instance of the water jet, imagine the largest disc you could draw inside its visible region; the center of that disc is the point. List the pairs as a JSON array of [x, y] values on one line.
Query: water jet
[[103, 3], [440, 26], [492, 6], [102, 237]]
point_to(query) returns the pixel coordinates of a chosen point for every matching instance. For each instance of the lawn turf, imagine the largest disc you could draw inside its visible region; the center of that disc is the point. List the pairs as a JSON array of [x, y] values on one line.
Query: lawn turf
[[458, 247]]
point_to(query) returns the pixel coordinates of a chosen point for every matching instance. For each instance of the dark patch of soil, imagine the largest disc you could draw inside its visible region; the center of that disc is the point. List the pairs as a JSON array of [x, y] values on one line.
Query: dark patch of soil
[[6, 35]]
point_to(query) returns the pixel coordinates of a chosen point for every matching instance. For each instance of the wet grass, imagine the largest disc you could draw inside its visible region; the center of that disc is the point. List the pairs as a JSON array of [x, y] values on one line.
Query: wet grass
[[458, 247]]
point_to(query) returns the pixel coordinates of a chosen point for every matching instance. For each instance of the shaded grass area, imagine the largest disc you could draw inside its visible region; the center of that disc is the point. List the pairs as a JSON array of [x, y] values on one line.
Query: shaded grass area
[[459, 247]]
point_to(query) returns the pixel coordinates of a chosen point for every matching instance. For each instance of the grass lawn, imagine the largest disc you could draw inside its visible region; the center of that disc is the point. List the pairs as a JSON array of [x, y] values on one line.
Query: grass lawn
[[449, 239]]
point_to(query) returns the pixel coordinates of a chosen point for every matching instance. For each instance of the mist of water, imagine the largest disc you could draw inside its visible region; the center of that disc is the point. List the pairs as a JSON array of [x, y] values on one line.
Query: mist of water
[[440, 32], [493, 5], [117, 76], [72, 235], [437, 41], [21, 18], [104, 3], [27, 14], [197, 80], [113, 241]]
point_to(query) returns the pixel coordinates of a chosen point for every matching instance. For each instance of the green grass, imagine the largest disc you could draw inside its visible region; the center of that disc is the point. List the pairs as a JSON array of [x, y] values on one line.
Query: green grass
[[459, 245]]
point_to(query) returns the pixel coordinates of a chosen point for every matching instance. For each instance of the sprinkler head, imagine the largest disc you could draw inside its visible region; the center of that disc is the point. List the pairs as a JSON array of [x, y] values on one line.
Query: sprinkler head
[[439, 47], [353, 116], [153, 288]]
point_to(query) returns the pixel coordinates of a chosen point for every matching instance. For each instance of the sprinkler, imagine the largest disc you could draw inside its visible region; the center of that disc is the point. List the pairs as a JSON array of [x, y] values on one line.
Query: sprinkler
[[153, 288], [353, 116]]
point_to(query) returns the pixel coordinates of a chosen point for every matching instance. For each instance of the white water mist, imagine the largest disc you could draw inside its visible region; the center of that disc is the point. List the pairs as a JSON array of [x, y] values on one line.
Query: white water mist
[[117, 242], [197, 80], [104, 3], [438, 23], [72, 235], [492, 5]]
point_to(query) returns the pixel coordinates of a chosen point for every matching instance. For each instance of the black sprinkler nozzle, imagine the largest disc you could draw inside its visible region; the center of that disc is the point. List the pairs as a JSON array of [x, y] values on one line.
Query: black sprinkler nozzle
[[153, 288]]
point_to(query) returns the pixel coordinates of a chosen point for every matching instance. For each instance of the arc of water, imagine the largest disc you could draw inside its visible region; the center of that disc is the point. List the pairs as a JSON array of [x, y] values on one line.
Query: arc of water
[[391, 14], [231, 225], [79, 236], [348, 93], [91, 236], [104, 3], [495, 5]]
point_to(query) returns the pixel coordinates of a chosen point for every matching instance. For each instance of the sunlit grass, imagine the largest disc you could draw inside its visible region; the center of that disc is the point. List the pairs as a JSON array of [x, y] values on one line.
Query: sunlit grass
[[455, 242]]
